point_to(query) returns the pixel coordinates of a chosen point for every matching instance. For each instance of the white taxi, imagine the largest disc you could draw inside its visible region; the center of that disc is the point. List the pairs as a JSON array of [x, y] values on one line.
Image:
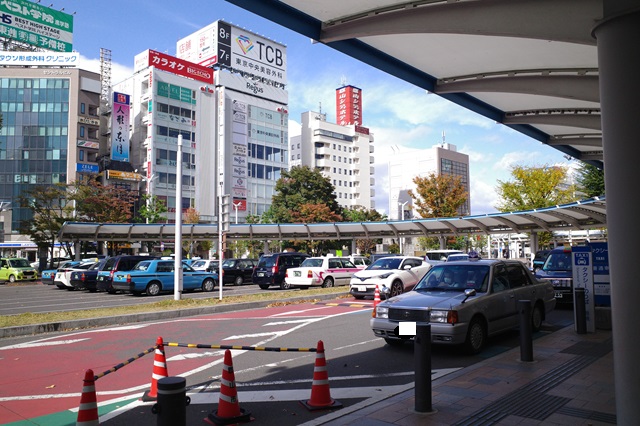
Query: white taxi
[[321, 271]]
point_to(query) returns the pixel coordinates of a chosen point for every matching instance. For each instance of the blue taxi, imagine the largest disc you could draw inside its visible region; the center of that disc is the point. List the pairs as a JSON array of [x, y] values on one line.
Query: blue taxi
[[156, 276]]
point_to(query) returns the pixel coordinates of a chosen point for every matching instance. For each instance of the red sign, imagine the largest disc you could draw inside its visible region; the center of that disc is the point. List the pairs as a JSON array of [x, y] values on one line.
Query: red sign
[[180, 67], [240, 204], [348, 106]]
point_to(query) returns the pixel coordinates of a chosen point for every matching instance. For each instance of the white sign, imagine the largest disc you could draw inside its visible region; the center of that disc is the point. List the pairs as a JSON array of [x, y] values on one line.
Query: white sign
[[39, 59], [582, 267]]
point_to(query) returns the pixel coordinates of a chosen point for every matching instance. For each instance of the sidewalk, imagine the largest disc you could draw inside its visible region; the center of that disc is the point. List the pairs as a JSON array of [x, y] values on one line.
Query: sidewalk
[[569, 382]]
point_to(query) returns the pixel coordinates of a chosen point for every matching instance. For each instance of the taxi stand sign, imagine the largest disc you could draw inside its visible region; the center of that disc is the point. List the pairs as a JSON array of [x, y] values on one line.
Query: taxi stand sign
[[582, 266]]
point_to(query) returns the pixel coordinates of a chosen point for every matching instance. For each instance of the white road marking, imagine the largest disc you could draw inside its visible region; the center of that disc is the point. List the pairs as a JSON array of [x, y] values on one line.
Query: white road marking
[[42, 344]]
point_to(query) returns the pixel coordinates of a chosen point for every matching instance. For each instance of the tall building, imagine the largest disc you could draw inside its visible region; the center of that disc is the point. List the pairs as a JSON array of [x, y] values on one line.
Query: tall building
[[342, 153], [50, 134], [403, 166]]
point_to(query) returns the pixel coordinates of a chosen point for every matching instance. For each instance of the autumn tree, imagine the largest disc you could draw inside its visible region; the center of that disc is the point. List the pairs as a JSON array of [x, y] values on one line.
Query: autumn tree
[[534, 187], [590, 180], [95, 202], [438, 195], [47, 204]]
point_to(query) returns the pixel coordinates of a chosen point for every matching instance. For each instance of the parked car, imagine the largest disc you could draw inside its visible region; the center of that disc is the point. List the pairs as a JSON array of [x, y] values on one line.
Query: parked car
[[441, 254], [209, 265], [155, 276], [14, 269], [46, 277], [272, 268], [466, 302], [115, 264], [392, 275], [377, 256], [237, 271], [558, 271], [87, 279], [62, 278], [321, 271], [361, 262], [538, 259], [457, 256]]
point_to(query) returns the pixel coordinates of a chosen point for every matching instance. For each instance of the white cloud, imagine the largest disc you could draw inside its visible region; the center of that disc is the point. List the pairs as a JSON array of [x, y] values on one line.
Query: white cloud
[[119, 72]]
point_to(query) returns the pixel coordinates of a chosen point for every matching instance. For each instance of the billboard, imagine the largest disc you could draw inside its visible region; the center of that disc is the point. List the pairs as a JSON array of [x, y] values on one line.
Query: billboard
[[348, 106], [173, 65], [225, 45], [39, 26], [39, 59], [120, 117]]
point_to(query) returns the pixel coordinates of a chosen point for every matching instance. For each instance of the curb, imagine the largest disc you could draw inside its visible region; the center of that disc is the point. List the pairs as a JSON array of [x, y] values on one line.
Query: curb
[[33, 329]]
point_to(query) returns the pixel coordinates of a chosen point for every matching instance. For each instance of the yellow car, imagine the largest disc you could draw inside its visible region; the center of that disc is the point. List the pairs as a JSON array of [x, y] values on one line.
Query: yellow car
[[14, 269]]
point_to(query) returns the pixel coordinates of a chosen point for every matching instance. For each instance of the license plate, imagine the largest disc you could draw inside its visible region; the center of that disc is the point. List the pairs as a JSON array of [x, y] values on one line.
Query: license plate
[[260, 274], [296, 273], [362, 289], [558, 295]]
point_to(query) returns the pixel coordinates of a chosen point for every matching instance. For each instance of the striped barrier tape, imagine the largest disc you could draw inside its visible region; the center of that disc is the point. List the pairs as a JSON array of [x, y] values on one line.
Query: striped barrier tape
[[241, 348], [122, 364]]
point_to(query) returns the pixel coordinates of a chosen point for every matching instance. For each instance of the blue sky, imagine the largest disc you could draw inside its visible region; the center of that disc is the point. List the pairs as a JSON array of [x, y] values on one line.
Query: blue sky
[[397, 113]]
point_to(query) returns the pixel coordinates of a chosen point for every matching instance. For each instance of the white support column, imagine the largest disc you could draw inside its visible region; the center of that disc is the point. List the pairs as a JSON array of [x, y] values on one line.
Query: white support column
[[617, 37]]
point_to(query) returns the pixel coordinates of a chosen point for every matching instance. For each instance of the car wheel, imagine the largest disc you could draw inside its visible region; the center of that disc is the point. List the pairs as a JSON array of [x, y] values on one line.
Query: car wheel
[[153, 289], [12, 278], [284, 285], [238, 281], [61, 286], [394, 342], [536, 318], [208, 285], [328, 282], [476, 337], [136, 293], [396, 289], [263, 286]]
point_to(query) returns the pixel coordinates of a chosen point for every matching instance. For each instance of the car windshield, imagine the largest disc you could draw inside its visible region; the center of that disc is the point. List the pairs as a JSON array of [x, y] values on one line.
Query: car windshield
[[559, 261], [454, 257], [311, 263], [451, 277], [267, 262], [386, 263], [229, 263], [199, 264], [19, 263]]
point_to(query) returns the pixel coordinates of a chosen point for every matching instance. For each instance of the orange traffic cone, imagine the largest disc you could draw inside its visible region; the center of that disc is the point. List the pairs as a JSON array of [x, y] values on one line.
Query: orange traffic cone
[[376, 300], [229, 411], [88, 409], [320, 394], [159, 371]]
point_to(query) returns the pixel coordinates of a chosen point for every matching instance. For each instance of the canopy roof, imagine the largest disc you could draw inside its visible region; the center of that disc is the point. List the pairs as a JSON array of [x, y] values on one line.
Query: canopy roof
[[581, 215], [529, 64]]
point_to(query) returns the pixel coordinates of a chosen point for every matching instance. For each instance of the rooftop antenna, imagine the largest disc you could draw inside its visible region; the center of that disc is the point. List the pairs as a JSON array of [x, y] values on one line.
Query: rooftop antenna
[[343, 81], [443, 138]]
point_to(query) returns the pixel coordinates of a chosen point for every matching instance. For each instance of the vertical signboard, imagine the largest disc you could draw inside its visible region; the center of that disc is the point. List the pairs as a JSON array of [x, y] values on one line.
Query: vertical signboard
[[348, 106], [601, 277], [40, 26], [582, 266], [120, 127]]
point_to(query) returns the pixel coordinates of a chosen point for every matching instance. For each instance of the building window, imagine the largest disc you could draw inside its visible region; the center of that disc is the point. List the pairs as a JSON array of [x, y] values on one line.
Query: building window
[[82, 131], [93, 110], [82, 108], [81, 155]]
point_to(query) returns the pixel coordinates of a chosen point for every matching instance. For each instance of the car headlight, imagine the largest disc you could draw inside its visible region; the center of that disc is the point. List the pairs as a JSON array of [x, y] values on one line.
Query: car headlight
[[439, 316], [382, 312], [385, 276]]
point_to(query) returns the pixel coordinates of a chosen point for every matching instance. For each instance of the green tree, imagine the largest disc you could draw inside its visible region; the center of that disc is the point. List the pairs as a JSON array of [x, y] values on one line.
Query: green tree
[[47, 204], [590, 180], [298, 186], [438, 195], [360, 214], [152, 209]]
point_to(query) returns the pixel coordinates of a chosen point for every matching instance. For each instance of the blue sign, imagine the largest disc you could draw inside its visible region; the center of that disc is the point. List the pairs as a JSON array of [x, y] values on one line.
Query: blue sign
[[87, 168]]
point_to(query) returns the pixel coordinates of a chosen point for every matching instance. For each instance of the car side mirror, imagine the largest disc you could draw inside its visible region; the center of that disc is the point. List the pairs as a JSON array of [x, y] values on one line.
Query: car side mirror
[[406, 267]]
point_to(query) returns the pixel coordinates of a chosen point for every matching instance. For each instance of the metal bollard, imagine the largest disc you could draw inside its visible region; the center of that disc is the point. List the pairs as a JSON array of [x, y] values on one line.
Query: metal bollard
[[526, 331], [422, 360], [171, 407], [580, 305]]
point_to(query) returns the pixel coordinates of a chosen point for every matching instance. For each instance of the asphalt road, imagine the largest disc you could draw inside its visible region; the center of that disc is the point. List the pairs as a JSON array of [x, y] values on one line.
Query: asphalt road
[[48, 369]]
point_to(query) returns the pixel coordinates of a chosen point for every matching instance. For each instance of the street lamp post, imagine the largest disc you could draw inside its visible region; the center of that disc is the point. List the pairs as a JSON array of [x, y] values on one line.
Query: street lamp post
[[236, 207]]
